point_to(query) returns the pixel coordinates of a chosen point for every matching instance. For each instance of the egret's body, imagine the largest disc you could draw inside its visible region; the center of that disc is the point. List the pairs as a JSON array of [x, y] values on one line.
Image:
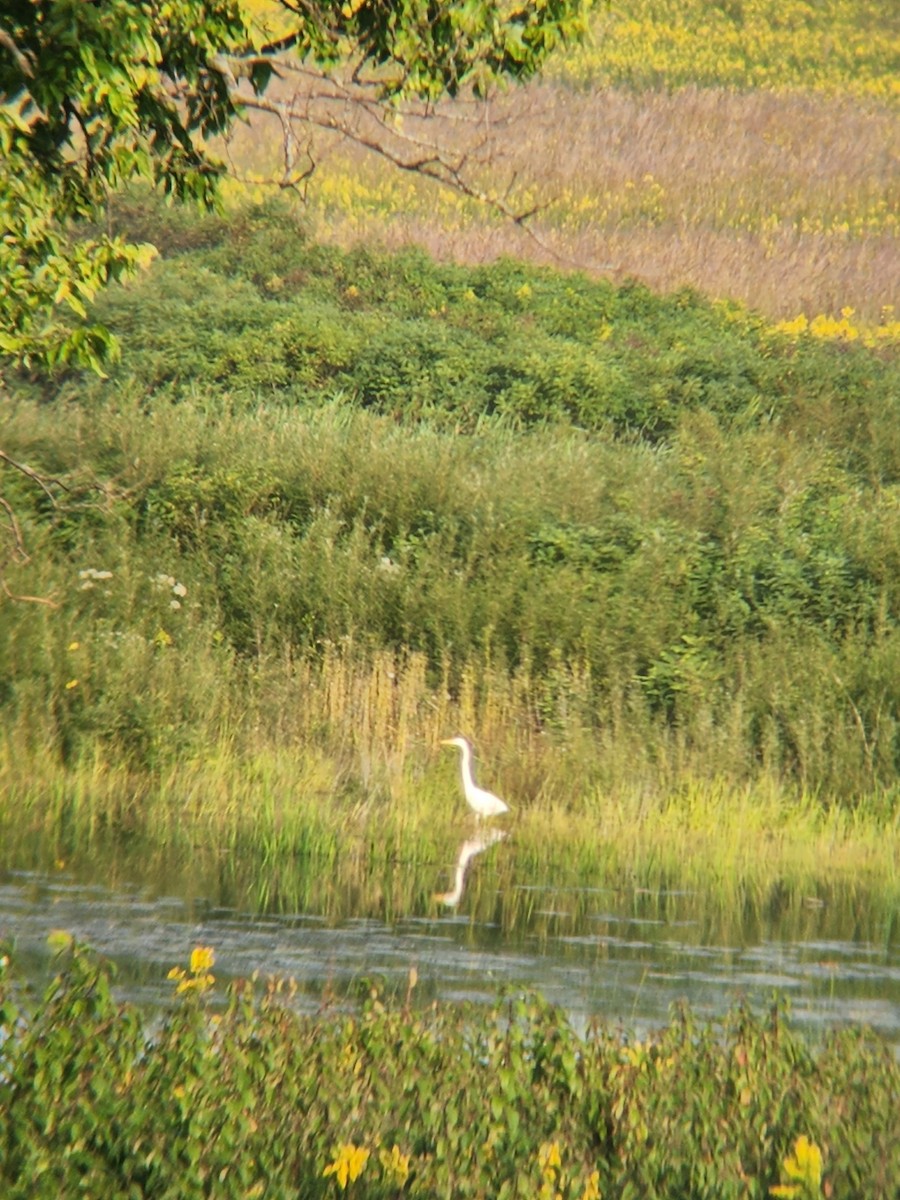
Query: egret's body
[[485, 803]]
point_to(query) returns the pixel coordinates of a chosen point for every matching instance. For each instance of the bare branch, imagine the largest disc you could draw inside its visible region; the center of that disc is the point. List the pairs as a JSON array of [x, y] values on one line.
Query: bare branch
[[16, 530], [27, 599], [43, 483], [23, 61], [19, 550], [349, 106]]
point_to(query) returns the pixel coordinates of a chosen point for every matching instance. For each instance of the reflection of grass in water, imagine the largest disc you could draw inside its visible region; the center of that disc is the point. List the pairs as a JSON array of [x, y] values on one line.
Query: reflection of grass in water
[[737, 863]]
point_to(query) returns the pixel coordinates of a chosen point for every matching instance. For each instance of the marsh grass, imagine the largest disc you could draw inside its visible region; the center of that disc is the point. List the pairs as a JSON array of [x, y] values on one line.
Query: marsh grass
[[636, 547], [784, 201], [598, 613], [838, 47], [346, 825]]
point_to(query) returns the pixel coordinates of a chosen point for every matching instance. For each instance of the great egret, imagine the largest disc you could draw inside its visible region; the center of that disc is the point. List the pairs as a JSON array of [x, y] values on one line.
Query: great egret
[[485, 803]]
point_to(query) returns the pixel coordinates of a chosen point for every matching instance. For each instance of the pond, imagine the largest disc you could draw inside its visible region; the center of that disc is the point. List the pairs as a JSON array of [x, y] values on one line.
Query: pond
[[469, 925]]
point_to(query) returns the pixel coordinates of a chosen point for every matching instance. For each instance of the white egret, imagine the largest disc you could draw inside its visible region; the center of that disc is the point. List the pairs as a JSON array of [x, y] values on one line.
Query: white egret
[[485, 803]]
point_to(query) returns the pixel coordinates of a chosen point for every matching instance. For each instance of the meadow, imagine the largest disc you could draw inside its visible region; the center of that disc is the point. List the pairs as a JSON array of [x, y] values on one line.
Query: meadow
[[642, 548], [745, 149], [617, 496]]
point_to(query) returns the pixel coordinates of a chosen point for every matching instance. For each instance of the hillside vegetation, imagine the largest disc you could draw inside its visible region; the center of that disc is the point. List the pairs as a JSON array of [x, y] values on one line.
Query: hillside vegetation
[[652, 528], [336, 502], [374, 470]]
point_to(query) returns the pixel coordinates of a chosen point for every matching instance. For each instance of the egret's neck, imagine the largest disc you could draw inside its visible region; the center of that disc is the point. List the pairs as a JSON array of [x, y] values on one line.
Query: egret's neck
[[466, 763]]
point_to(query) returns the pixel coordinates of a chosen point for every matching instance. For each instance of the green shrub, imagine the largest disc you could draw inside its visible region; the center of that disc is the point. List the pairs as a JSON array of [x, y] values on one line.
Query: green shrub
[[264, 310], [499, 467], [251, 1097]]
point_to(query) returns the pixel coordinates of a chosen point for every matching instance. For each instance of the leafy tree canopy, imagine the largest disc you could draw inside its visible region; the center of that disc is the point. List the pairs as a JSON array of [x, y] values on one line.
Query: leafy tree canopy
[[95, 94]]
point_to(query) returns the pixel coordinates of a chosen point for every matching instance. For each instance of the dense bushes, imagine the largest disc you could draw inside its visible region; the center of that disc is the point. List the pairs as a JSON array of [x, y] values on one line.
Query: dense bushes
[[253, 1099], [499, 468], [264, 312]]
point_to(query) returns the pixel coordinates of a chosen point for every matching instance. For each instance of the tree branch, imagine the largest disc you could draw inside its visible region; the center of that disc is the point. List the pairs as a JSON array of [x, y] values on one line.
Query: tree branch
[[16, 530], [22, 60], [43, 483], [27, 599], [353, 112], [19, 549]]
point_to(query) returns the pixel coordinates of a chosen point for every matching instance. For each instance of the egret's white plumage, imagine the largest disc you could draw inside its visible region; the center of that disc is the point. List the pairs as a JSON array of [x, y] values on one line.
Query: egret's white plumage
[[485, 803]]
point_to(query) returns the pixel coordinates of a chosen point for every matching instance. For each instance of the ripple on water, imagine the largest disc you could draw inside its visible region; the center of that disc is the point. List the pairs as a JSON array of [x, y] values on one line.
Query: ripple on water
[[626, 967]]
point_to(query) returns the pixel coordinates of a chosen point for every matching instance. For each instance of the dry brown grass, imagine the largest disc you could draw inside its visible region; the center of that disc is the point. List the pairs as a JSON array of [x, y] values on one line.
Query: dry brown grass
[[788, 202]]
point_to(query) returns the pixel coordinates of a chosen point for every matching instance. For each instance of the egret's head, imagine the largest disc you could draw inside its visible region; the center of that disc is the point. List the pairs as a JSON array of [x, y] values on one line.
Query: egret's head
[[455, 741]]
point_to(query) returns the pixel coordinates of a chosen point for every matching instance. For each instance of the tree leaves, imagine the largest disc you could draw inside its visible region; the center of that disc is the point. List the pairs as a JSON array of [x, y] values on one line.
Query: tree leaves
[[93, 97]]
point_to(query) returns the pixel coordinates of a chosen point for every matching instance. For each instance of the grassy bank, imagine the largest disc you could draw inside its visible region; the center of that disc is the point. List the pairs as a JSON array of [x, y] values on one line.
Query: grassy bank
[[354, 835], [333, 507], [424, 1101]]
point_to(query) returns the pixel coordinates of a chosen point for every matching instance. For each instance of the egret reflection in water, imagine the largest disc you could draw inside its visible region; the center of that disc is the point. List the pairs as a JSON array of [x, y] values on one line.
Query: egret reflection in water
[[467, 851]]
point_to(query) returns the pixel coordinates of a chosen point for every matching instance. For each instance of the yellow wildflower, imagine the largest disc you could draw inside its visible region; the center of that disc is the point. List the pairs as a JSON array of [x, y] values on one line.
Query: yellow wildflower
[[348, 1164], [592, 1187], [394, 1164], [548, 1156], [804, 1166], [200, 979], [202, 958]]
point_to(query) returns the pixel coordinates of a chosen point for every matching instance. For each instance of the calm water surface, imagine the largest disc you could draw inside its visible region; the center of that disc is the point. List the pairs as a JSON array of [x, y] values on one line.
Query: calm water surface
[[624, 953]]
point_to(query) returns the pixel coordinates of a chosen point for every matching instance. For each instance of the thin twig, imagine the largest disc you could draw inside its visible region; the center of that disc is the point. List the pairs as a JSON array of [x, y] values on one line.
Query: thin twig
[[340, 105], [42, 483], [28, 599], [868, 746], [16, 530]]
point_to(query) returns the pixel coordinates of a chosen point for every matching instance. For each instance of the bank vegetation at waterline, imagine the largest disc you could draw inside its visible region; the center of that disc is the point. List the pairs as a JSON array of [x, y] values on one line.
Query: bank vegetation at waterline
[[238, 1095]]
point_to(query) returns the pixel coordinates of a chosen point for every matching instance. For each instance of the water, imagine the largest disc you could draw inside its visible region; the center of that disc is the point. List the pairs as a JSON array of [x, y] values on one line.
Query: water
[[624, 953]]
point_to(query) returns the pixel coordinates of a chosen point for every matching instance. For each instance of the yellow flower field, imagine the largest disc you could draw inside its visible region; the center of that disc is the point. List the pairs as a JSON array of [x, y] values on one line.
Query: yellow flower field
[[836, 46], [745, 149]]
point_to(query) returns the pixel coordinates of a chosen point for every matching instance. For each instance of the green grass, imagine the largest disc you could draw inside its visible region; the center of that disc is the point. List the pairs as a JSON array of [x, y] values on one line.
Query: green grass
[[317, 833], [636, 547]]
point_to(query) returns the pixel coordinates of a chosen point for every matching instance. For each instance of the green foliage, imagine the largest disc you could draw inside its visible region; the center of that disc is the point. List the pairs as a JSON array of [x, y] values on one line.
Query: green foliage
[[95, 97], [427, 50], [409, 338], [431, 1101], [494, 467], [88, 105]]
